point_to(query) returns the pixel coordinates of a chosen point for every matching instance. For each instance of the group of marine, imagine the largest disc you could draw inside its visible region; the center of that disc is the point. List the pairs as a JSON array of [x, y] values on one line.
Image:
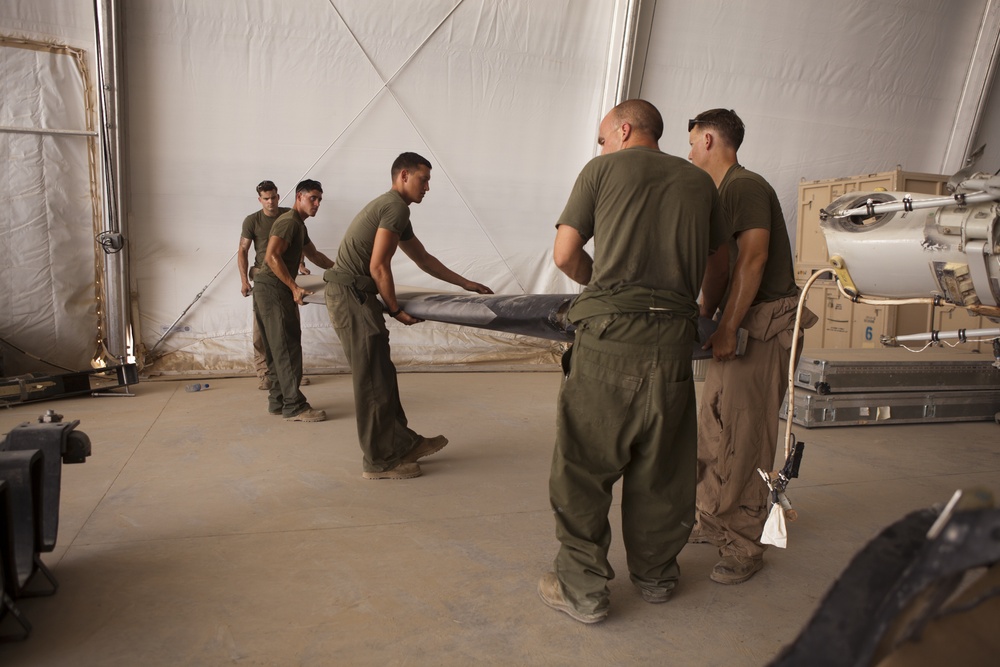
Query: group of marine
[[673, 240]]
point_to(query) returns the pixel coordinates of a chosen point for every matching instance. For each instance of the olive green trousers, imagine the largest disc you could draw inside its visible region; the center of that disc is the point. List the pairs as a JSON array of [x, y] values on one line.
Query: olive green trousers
[[626, 411], [278, 322], [382, 426]]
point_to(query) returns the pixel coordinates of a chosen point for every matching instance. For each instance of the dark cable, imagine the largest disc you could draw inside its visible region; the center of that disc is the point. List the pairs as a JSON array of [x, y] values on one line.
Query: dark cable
[[28, 354]]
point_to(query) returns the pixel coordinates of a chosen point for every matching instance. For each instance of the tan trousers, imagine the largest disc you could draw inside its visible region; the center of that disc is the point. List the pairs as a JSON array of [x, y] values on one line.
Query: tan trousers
[[259, 358], [738, 431]]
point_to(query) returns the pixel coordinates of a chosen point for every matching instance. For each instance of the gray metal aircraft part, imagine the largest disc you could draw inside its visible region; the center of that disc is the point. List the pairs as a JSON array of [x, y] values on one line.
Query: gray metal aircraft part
[[896, 245]]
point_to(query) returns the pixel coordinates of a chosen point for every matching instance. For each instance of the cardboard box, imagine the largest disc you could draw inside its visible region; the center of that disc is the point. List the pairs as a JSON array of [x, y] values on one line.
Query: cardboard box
[[844, 324], [816, 302], [869, 323]]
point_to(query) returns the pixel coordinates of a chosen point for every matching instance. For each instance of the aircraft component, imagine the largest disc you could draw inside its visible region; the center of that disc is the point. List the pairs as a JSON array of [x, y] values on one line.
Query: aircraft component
[[902, 246]]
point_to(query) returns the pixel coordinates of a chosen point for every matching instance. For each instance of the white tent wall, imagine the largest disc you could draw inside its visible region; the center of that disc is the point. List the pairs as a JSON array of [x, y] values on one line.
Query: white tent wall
[[825, 89], [503, 98], [48, 191], [69, 22]]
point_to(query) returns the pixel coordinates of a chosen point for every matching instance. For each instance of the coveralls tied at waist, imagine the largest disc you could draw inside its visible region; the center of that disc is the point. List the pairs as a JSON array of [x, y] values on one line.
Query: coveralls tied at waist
[[632, 299], [340, 277]]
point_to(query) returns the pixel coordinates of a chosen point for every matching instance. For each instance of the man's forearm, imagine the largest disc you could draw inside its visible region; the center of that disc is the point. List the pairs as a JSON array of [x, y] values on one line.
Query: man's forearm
[[712, 291], [319, 259], [715, 281], [281, 271], [580, 268], [241, 261], [386, 286], [746, 282], [432, 266], [569, 255], [747, 275]]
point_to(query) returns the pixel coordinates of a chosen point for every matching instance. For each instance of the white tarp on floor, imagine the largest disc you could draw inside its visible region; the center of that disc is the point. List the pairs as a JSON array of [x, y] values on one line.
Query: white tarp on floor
[[503, 97]]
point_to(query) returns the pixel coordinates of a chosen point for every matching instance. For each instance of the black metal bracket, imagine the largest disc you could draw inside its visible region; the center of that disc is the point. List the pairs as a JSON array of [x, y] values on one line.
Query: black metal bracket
[[97, 382], [30, 590], [8, 608]]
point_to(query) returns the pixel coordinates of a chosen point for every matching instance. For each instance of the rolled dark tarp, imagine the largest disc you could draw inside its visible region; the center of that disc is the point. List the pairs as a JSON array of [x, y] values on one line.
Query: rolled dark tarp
[[538, 315]]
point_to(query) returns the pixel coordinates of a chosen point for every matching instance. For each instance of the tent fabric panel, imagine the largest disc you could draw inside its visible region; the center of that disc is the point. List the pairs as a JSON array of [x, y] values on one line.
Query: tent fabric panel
[[47, 260], [826, 89], [503, 98]]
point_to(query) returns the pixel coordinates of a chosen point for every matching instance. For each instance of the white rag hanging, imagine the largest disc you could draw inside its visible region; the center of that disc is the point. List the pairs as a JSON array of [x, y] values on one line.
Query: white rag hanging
[[774, 528]]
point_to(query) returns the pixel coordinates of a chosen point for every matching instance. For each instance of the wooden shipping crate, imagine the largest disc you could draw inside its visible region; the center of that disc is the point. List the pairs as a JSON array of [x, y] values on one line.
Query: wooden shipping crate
[[844, 324]]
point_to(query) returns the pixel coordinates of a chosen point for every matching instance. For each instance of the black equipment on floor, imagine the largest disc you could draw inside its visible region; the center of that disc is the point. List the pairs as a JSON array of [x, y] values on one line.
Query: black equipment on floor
[[31, 460]]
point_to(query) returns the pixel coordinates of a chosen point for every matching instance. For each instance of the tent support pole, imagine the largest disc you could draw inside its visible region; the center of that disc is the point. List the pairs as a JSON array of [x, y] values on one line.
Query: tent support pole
[[119, 341], [633, 21], [975, 91]]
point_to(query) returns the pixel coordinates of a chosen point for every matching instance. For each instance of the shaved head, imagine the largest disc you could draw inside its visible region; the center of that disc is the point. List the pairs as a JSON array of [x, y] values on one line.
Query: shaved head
[[642, 116]]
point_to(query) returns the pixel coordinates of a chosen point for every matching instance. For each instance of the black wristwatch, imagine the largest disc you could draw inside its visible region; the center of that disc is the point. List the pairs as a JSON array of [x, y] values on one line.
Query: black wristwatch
[[393, 313]]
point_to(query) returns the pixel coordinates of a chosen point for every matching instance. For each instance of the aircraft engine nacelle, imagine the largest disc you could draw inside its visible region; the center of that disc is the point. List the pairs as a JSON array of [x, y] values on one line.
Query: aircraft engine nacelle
[[895, 245]]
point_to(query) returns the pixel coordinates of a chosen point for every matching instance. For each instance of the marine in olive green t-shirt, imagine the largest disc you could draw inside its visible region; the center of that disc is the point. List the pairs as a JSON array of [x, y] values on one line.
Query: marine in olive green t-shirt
[[257, 228], [387, 211], [749, 202], [291, 228], [645, 210]]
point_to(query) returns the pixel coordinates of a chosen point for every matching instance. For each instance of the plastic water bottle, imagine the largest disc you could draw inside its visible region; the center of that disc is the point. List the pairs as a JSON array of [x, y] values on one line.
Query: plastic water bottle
[[197, 386]]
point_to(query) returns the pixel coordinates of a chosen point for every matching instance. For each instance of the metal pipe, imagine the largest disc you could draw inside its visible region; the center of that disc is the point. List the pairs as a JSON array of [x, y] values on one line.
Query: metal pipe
[[40, 130], [959, 199], [986, 184], [960, 334], [628, 51], [110, 76]]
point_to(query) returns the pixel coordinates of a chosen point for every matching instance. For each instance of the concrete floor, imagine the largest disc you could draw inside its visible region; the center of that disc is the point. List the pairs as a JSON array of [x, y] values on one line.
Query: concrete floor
[[203, 531]]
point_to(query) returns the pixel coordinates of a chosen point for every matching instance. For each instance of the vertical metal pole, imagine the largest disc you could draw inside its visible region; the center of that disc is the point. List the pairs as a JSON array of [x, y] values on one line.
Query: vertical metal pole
[[632, 24], [975, 91], [119, 343], [638, 24], [628, 51]]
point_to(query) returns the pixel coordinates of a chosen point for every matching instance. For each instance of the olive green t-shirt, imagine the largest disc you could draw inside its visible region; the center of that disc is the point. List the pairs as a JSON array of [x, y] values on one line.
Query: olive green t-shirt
[[291, 228], [749, 202], [653, 217], [257, 228], [387, 211]]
